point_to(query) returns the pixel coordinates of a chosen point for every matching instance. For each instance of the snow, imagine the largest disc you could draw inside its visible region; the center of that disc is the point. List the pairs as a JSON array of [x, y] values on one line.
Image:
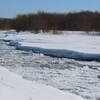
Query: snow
[[79, 47], [13, 87], [49, 70]]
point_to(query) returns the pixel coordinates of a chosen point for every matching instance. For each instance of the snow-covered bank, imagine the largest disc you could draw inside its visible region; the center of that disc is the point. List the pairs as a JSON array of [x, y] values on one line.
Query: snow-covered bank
[[13, 87], [80, 47]]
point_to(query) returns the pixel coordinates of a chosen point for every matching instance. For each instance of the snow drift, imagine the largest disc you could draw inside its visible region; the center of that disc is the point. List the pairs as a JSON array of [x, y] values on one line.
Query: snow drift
[[13, 87]]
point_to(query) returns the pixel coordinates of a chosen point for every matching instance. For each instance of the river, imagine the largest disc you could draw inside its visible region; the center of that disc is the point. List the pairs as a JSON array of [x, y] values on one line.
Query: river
[[79, 77]]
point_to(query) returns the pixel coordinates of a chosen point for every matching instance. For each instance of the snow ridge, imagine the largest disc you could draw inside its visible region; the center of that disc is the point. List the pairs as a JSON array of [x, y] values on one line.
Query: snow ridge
[[61, 53]]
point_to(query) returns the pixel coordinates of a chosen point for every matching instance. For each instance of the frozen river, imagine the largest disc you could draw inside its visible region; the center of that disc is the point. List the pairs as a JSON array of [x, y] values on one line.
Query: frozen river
[[82, 78]]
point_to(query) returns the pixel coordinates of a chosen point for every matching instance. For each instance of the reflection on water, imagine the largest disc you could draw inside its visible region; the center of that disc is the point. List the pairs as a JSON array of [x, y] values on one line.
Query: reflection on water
[[82, 78]]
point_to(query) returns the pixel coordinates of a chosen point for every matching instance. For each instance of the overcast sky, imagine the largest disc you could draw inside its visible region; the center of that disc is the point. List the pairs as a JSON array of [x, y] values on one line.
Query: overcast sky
[[11, 8]]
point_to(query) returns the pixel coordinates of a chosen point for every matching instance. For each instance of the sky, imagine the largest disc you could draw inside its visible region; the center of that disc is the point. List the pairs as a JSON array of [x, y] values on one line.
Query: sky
[[11, 8]]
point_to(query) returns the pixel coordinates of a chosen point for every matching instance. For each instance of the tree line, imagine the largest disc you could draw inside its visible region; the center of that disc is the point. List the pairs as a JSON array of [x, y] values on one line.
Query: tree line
[[76, 21]]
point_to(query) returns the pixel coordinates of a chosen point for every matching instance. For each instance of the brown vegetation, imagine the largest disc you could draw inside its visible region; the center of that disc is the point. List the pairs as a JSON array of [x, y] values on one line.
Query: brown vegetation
[[78, 21]]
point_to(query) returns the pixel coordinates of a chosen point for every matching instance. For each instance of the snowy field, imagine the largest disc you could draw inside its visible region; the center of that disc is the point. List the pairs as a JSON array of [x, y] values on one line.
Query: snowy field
[[79, 47]]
